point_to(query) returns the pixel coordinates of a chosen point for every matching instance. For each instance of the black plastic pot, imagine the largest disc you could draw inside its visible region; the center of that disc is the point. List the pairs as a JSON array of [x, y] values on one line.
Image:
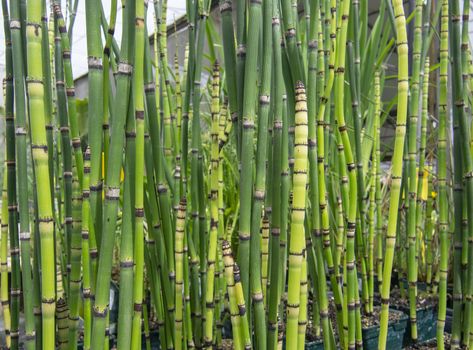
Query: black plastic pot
[[396, 331], [448, 320], [153, 335], [422, 286], [154, 339], [313, 345], [426, 324]]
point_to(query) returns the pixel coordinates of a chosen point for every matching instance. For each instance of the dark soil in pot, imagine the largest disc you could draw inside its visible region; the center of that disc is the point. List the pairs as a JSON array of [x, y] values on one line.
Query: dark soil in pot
[[431, 344]]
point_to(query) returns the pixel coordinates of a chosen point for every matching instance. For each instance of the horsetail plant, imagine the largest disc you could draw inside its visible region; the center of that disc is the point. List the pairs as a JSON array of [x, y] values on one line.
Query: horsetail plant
[[161, 178], [297, 240], [396, 172], [442, 175], [40, 160]]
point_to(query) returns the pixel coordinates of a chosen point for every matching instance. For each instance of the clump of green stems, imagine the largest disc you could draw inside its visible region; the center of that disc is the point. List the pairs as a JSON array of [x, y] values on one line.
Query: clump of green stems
[[243, 193]]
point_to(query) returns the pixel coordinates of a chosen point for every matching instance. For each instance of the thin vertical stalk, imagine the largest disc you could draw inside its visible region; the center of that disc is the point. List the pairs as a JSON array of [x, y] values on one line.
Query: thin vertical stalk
[[95, 114], [276, 188], [396, 172], [352, 174], [372, 197], [11, 184], [238, 341], [65, 149], [3, 261], [138, 245], [462, 160], [190, 9], [179, 264], [107, 62], [228, 41], [420, 209], [412, 169], [86, 263], [75, 274], [125, 303], [212, 244], [49, 96], [247, 154], [17, 46], [112, 184], [442, 176], [259, 193], [330, 41], [297, 237], [40, 161], [197, 190], [378, 197], [70, 92]]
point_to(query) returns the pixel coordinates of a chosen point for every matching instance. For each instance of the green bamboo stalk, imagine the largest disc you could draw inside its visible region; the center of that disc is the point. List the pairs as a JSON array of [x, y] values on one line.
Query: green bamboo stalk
[[259, 193], [420, 209], [36, 276], [428, 234], [113, 177], [466, 152], [285, 204], [11, 190], [241, 47], [330, 51], [378, 198], [238, 341], [179, 258], [297, 238], [164, 216], [352, 175], [159, 165], [62, 309], [40, 161], [95, 114], [125, 303], [190, 9], [177, 133], [138, 246], [315, 90], [197, 187], [289, 26], [442, 176], [264, 259], [66, 154], [412, 169], [70, 91], [302, 321], [247, 154], [49, 96], [240, 300], [462, 154], [189, 333], [3, 260], [276, 186], [212, 243], [21, 161], [403, 86], [86, 266], [107, 62], [75, 274], [228, 41], [372, 200]]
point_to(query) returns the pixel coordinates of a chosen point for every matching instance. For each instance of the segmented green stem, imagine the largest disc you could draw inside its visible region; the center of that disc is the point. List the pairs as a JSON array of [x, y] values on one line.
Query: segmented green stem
[[442, 176], [297, 238], [396, 172], [40, 160]]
